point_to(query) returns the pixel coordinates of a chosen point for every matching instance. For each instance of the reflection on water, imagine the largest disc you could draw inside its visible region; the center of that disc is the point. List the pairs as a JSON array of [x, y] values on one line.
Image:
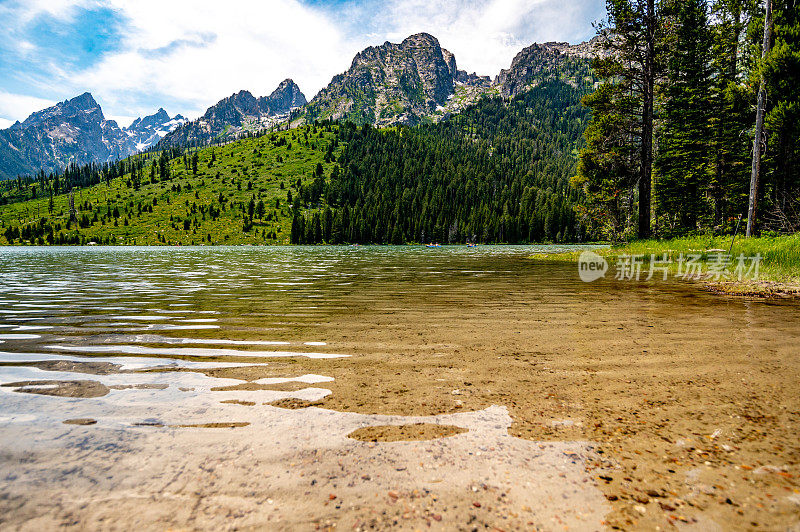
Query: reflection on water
[[129, 346], [109, 357], [104, 305], [186, 351], [132, 308]]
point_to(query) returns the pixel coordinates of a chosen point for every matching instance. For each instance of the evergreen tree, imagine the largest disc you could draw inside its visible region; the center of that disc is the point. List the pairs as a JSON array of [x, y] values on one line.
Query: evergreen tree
[[683, 166], [298, 229], [730, 112], [633, 40], [782, 158], [607, 167]]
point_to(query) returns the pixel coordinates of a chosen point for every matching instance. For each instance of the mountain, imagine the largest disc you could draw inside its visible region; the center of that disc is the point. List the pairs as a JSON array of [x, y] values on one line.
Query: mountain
[[497, 172], [418, 80], [239, 113], [76, 131], [71, 131], [393, 83], [147, 131], [408, 83], [283, 99], [542, 62]]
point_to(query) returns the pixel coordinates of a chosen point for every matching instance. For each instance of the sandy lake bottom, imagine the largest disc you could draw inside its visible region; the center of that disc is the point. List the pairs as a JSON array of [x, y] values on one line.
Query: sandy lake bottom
[[386, 387]]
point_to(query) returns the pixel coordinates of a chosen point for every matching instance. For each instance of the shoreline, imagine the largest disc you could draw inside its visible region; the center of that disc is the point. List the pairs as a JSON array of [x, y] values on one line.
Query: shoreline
[[760, 289], [778, 277]]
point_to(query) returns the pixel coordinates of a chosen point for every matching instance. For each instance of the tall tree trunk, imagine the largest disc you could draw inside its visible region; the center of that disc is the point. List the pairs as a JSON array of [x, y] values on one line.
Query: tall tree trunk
[[648, 74], [755, 172]]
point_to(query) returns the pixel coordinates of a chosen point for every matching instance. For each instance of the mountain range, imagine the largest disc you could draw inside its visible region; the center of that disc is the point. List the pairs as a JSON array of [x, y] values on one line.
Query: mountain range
[[76, 131], [149, 130], [418, 80], [393, 83], [412, 82], [239, 113]]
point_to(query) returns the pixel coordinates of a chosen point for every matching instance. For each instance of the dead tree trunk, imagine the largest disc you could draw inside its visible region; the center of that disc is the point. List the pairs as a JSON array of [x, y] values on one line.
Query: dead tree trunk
[[755, 173]]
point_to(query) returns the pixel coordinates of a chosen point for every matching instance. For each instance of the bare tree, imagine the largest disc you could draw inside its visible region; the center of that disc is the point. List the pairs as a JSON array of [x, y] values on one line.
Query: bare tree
[[757, 140]]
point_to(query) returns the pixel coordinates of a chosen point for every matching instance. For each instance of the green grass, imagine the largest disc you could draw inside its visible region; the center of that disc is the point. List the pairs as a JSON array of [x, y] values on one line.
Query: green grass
[[780, 255], [779, 264], [247, 169]]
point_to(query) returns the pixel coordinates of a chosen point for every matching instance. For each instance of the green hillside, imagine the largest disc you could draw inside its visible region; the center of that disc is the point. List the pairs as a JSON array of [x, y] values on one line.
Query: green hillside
[[498, 172], [240, 193]]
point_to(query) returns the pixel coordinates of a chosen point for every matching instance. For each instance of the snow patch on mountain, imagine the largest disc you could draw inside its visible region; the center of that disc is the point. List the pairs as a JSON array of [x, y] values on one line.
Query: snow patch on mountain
[[148, 131]]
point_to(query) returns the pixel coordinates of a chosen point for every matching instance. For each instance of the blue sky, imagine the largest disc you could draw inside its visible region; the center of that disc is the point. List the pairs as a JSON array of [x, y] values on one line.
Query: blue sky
[[184, 55]]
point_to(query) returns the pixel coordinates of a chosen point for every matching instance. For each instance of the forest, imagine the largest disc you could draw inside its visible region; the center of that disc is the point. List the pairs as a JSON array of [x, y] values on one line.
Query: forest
[[234, 194], [695, 122], [686, 123], [499, 172]]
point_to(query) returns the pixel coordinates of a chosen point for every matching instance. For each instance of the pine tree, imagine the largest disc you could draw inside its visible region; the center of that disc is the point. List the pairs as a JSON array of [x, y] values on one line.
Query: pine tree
[[730, 112], [782, 159], [316, 228], [607, 169], [683, 166], [298, 229], [633, 40]]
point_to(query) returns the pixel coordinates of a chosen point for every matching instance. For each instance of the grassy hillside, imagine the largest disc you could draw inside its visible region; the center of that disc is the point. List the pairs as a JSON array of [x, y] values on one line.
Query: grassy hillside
[[498, 172], [239, 194]]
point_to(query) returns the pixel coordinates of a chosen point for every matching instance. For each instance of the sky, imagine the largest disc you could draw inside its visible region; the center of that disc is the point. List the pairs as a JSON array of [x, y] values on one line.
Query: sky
[[135, 56]]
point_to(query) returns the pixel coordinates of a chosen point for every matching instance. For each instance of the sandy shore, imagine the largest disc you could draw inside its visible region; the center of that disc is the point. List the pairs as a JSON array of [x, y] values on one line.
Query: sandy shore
[[298, 472]]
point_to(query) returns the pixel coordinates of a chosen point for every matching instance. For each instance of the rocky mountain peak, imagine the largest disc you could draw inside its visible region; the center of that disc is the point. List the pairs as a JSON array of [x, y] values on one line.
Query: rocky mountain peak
[[147, 131], [419, 80], [539, 61], [74, 130], [232, 109], [283, 99], [241, 112], [85, 102], [159, 117], [75, 108], [390, 83], [450, 59], [421, 40], [288, 85]]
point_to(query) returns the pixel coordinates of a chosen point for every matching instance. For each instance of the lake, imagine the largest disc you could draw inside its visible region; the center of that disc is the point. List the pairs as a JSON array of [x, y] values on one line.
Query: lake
[[380, 386]]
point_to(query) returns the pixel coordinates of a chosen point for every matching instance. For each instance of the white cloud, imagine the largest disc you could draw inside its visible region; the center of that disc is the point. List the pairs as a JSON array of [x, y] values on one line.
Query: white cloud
[[185, 55], [5, 124], [25, 47], [122, 121], [198, 53], [485, 35], [17, 106]]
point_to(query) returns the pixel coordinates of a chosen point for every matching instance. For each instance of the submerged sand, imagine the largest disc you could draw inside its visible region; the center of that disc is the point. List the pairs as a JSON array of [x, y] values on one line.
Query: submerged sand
[[491, 394], [692, 399], [412, 432]]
